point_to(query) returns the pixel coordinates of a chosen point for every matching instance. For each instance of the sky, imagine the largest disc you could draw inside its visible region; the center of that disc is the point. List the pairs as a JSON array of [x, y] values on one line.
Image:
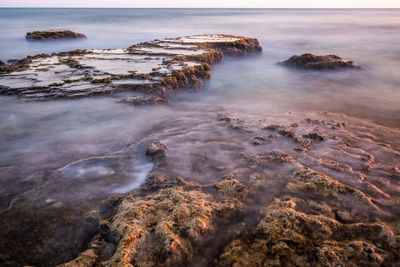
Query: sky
[[206, 3]]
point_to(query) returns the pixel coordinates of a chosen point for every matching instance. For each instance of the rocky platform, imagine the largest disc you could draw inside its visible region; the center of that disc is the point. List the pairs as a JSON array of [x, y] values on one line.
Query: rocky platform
[[53, 35], [322, 190], [151, 67], [313, 62], [232, 189]]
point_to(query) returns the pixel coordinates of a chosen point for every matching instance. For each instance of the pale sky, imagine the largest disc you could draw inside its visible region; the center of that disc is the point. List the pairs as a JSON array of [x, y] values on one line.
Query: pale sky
[[206, 3]]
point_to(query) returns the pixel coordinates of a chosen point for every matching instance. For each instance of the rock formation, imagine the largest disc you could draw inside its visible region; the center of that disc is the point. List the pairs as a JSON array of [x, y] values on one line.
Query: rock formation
[[151, 67], [53, 35], [313, 62], [291, 200], [230, 190], [144, 100]]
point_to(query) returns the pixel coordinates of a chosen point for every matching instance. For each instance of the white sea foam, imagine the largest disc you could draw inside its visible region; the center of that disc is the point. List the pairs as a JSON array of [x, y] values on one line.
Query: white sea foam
[[141, 170]]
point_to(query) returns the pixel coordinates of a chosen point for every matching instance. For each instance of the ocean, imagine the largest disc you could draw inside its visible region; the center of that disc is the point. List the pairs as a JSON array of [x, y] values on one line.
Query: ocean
[[369, 37], [39, 141]]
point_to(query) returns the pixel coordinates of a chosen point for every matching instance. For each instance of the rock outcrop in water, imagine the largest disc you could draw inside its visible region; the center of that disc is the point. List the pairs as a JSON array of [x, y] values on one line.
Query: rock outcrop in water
[[290, 200], [313, 62], [144, 100], [151, 67], [53, 35]]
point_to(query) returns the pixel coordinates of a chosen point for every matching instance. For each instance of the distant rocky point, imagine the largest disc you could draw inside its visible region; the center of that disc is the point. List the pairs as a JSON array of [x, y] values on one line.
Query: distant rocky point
[[53, 35], [313, 62]]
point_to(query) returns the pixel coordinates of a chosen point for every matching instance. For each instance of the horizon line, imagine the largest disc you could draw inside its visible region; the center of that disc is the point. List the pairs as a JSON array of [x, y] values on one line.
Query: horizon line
[[207, 7]]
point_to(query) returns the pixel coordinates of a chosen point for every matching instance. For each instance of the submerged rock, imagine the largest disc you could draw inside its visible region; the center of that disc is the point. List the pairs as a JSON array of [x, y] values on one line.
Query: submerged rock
[[220, 201], [53, 234], [157, 151], [316, 136], [53, 35], [144, 100], [155, 148], [151, 67], [313, 62]]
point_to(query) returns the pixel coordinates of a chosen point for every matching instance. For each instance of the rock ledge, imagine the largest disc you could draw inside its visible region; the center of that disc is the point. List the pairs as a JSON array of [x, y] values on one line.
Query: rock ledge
[[152, 67]]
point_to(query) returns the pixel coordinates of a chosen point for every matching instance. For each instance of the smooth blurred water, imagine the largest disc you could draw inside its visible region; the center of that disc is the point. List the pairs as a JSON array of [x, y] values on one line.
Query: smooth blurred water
[[38, 136], [75, 153], [370, 37]]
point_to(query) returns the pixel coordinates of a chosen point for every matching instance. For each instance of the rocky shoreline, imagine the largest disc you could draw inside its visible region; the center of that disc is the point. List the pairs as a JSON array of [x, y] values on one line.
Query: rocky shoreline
[[152, 67], [291, 199], [291, 189], [226, 189]]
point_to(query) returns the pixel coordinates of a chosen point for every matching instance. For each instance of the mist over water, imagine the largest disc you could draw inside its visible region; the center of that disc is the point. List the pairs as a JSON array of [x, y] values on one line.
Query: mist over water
[[81, 151], [369, 37], [48, 135]]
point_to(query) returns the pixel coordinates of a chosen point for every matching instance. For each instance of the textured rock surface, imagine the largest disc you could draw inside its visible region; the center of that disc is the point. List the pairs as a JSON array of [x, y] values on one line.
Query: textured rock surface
[[290, 200], [53, 35], [286, 236], [144, 100], [152, 67], [313, 62]]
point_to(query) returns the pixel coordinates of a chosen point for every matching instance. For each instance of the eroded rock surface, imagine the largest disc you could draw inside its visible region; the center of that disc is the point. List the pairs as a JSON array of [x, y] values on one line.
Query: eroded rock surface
[[313, 62], [290, 200], [144, 100], [150, 67], [53, 35]]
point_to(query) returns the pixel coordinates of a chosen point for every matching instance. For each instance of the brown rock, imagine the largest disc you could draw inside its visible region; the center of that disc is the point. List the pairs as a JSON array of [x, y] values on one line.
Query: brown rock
[[161, 179], [317, 136], [161, 229], [308, 180], [290, 134], [344, 216], [272, 127], [313, 62], [174, 71], [53, 35], [154, 148], [144, 100], [180, 181], [287, 237]]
